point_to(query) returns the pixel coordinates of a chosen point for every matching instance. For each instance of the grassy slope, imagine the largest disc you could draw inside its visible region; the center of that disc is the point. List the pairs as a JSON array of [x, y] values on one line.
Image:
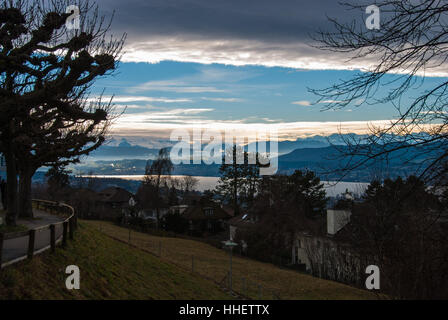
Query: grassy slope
[[214, 264], [109, 270]]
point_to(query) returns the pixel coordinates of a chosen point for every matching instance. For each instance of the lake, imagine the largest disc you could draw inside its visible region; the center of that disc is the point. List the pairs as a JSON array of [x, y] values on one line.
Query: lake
[[208, 183]]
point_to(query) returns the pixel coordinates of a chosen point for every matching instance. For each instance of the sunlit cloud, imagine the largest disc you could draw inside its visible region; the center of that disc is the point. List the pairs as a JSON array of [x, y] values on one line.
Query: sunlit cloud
[[222, 99], [172, 86], [133, 120], [149, 126], [126, 99], [303, 103]]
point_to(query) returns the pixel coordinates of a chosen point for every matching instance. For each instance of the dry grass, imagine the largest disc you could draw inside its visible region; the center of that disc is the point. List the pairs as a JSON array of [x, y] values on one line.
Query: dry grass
[[109, 270], [214, 263]]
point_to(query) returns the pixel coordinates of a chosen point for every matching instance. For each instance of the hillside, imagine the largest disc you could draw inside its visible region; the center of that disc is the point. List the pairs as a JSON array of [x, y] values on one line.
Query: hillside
[[109, 270], [214, 263], [314, 155]]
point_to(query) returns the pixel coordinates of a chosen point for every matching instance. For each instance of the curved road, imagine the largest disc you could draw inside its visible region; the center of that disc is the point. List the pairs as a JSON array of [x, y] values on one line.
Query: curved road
[[18, 247]]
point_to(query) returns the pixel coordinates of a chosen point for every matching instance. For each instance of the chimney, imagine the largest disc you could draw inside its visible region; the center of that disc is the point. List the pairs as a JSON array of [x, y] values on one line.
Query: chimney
[[336, 220]]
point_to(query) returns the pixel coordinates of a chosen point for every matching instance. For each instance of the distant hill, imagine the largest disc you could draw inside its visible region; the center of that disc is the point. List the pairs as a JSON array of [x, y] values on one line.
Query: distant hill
[[124, 150], [314, 153], [325, 162]]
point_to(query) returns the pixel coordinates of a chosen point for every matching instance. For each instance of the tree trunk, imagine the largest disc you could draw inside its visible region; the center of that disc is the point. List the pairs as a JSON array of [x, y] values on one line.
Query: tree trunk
[[11, 189], [25, 204]]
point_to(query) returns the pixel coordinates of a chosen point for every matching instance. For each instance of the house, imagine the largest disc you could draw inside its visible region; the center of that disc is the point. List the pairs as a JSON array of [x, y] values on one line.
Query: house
[[206, 217], [179, 209], [243, 222], [113, 201], [151, 213], [86, 202], [322, 255], [230, 210]]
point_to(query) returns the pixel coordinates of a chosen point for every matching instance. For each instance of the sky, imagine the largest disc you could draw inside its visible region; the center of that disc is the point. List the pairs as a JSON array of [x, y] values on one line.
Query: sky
[[239, 64]]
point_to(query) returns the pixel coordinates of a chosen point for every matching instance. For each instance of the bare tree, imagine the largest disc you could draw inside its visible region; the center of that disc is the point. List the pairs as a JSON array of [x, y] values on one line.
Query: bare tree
[[156, 175], [189, 183], [411, 42], [53, 145], [45, 77]]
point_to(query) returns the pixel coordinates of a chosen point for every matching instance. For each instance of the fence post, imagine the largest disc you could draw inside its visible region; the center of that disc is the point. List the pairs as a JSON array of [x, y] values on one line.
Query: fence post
[[1, 249], [75, 219], [244, 286], [53, 237], [129, 238], [192, 264], [64, 233], [32, 237], [160, 249], [71, 228]]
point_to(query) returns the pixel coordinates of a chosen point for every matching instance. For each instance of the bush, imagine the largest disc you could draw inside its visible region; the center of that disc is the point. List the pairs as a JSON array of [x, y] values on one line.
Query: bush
[[175, 222]]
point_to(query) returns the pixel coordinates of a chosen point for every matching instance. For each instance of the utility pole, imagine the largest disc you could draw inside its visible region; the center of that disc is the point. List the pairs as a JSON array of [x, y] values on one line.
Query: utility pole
[[230, 244]]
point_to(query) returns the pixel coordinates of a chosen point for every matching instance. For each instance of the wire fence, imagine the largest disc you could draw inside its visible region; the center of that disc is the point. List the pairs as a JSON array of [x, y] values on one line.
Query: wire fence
[[212, 268]]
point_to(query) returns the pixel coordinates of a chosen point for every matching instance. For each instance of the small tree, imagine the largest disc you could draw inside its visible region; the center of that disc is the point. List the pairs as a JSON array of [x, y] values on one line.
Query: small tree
[[156, 174], [175, 222], [58, 179], [302, 190], [188, 183], [308, 192], [238, 182], [284, 205]]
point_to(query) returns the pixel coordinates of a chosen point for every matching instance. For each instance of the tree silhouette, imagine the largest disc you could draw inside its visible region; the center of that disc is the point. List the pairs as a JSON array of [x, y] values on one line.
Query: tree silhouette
[[54, 146], [156, 174], [410, 43], [46, 72], [239, 179]]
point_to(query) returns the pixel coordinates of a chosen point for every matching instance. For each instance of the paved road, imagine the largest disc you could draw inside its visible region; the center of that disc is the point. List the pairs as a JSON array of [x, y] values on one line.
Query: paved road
[[16, 248]]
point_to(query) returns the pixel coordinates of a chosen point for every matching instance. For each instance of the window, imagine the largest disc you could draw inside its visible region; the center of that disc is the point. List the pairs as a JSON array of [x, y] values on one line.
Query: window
[[208, 211]]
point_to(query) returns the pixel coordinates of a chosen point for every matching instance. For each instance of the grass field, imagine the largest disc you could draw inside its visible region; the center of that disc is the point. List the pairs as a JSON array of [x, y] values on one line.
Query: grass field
[[109, 270], [214, 263]]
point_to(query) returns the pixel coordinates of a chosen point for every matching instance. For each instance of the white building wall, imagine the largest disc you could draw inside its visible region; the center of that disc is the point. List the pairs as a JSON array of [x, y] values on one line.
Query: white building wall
[[336, 220]]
